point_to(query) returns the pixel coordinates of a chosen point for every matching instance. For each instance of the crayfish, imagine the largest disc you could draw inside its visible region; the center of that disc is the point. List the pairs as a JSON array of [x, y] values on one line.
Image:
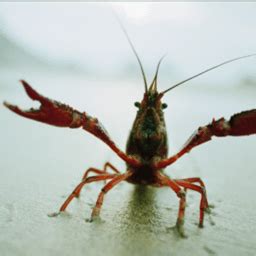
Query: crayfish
[[146, 154]]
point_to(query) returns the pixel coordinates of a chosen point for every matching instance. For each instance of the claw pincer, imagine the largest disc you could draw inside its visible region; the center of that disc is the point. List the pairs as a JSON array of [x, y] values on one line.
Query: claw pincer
[[240, 124], [58, 114], [50, 112]]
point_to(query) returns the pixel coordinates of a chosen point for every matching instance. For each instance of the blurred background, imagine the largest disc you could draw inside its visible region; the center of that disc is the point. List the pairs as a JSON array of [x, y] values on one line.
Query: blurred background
[[77, 53], [87, 38]]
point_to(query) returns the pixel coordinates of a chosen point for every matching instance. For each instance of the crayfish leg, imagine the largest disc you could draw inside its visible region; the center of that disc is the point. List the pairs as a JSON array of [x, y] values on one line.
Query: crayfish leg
[[107, 165], [181, 193], [78, 188], [181, 215], [116, 180], [204, 206]]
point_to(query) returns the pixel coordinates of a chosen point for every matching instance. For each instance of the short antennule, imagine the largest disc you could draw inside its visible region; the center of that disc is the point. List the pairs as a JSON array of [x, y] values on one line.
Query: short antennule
[[153, 86], [207, 70]]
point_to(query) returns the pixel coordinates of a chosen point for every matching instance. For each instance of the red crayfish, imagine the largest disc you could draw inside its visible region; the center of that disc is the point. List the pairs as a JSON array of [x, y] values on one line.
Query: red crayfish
[[146, 154]]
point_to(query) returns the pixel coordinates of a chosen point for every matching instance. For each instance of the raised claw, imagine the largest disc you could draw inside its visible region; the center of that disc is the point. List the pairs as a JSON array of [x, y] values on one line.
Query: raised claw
[[55, 113], [50, 112], [243, 123], [240, 124]]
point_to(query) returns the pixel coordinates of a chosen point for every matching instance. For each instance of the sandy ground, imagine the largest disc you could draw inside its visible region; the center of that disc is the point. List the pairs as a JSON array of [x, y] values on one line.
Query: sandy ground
[[40, 165]]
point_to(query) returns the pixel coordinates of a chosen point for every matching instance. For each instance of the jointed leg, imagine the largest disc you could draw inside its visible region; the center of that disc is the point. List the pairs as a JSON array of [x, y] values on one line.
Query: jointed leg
[[97, 171], [203, 202], [194, 180], [78, 188], [166, 181], [197, 180], [105, 189], [181, 214]]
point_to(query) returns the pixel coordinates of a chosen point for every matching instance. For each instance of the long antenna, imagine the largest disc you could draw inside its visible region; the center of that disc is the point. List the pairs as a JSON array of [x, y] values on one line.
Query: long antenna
[[134, 51], [207, 70]]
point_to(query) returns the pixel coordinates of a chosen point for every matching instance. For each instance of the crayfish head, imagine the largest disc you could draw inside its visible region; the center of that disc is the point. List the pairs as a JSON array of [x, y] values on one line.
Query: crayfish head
[[151, 102], [151, 99], [148, 136]]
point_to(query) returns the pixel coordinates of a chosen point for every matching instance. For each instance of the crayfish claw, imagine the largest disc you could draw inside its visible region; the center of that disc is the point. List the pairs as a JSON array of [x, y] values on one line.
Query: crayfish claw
[[30, 91], [50, 111], [58, 114], [10, 106], [15, 109], [31, 113], [34, 95]]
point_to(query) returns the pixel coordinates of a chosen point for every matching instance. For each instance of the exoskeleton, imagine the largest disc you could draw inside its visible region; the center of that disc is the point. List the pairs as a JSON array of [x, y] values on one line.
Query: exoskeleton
[[146, 154]]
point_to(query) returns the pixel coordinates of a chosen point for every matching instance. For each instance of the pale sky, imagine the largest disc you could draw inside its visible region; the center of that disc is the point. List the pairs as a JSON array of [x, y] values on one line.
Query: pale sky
[[195, 36]]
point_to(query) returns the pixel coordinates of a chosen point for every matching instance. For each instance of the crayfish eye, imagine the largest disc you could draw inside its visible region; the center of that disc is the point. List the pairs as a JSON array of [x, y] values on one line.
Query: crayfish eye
[[164, 105], [137, 104]]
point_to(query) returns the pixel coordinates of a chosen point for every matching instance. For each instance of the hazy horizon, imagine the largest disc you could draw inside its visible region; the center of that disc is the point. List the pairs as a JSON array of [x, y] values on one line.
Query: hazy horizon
[[195, 36]]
